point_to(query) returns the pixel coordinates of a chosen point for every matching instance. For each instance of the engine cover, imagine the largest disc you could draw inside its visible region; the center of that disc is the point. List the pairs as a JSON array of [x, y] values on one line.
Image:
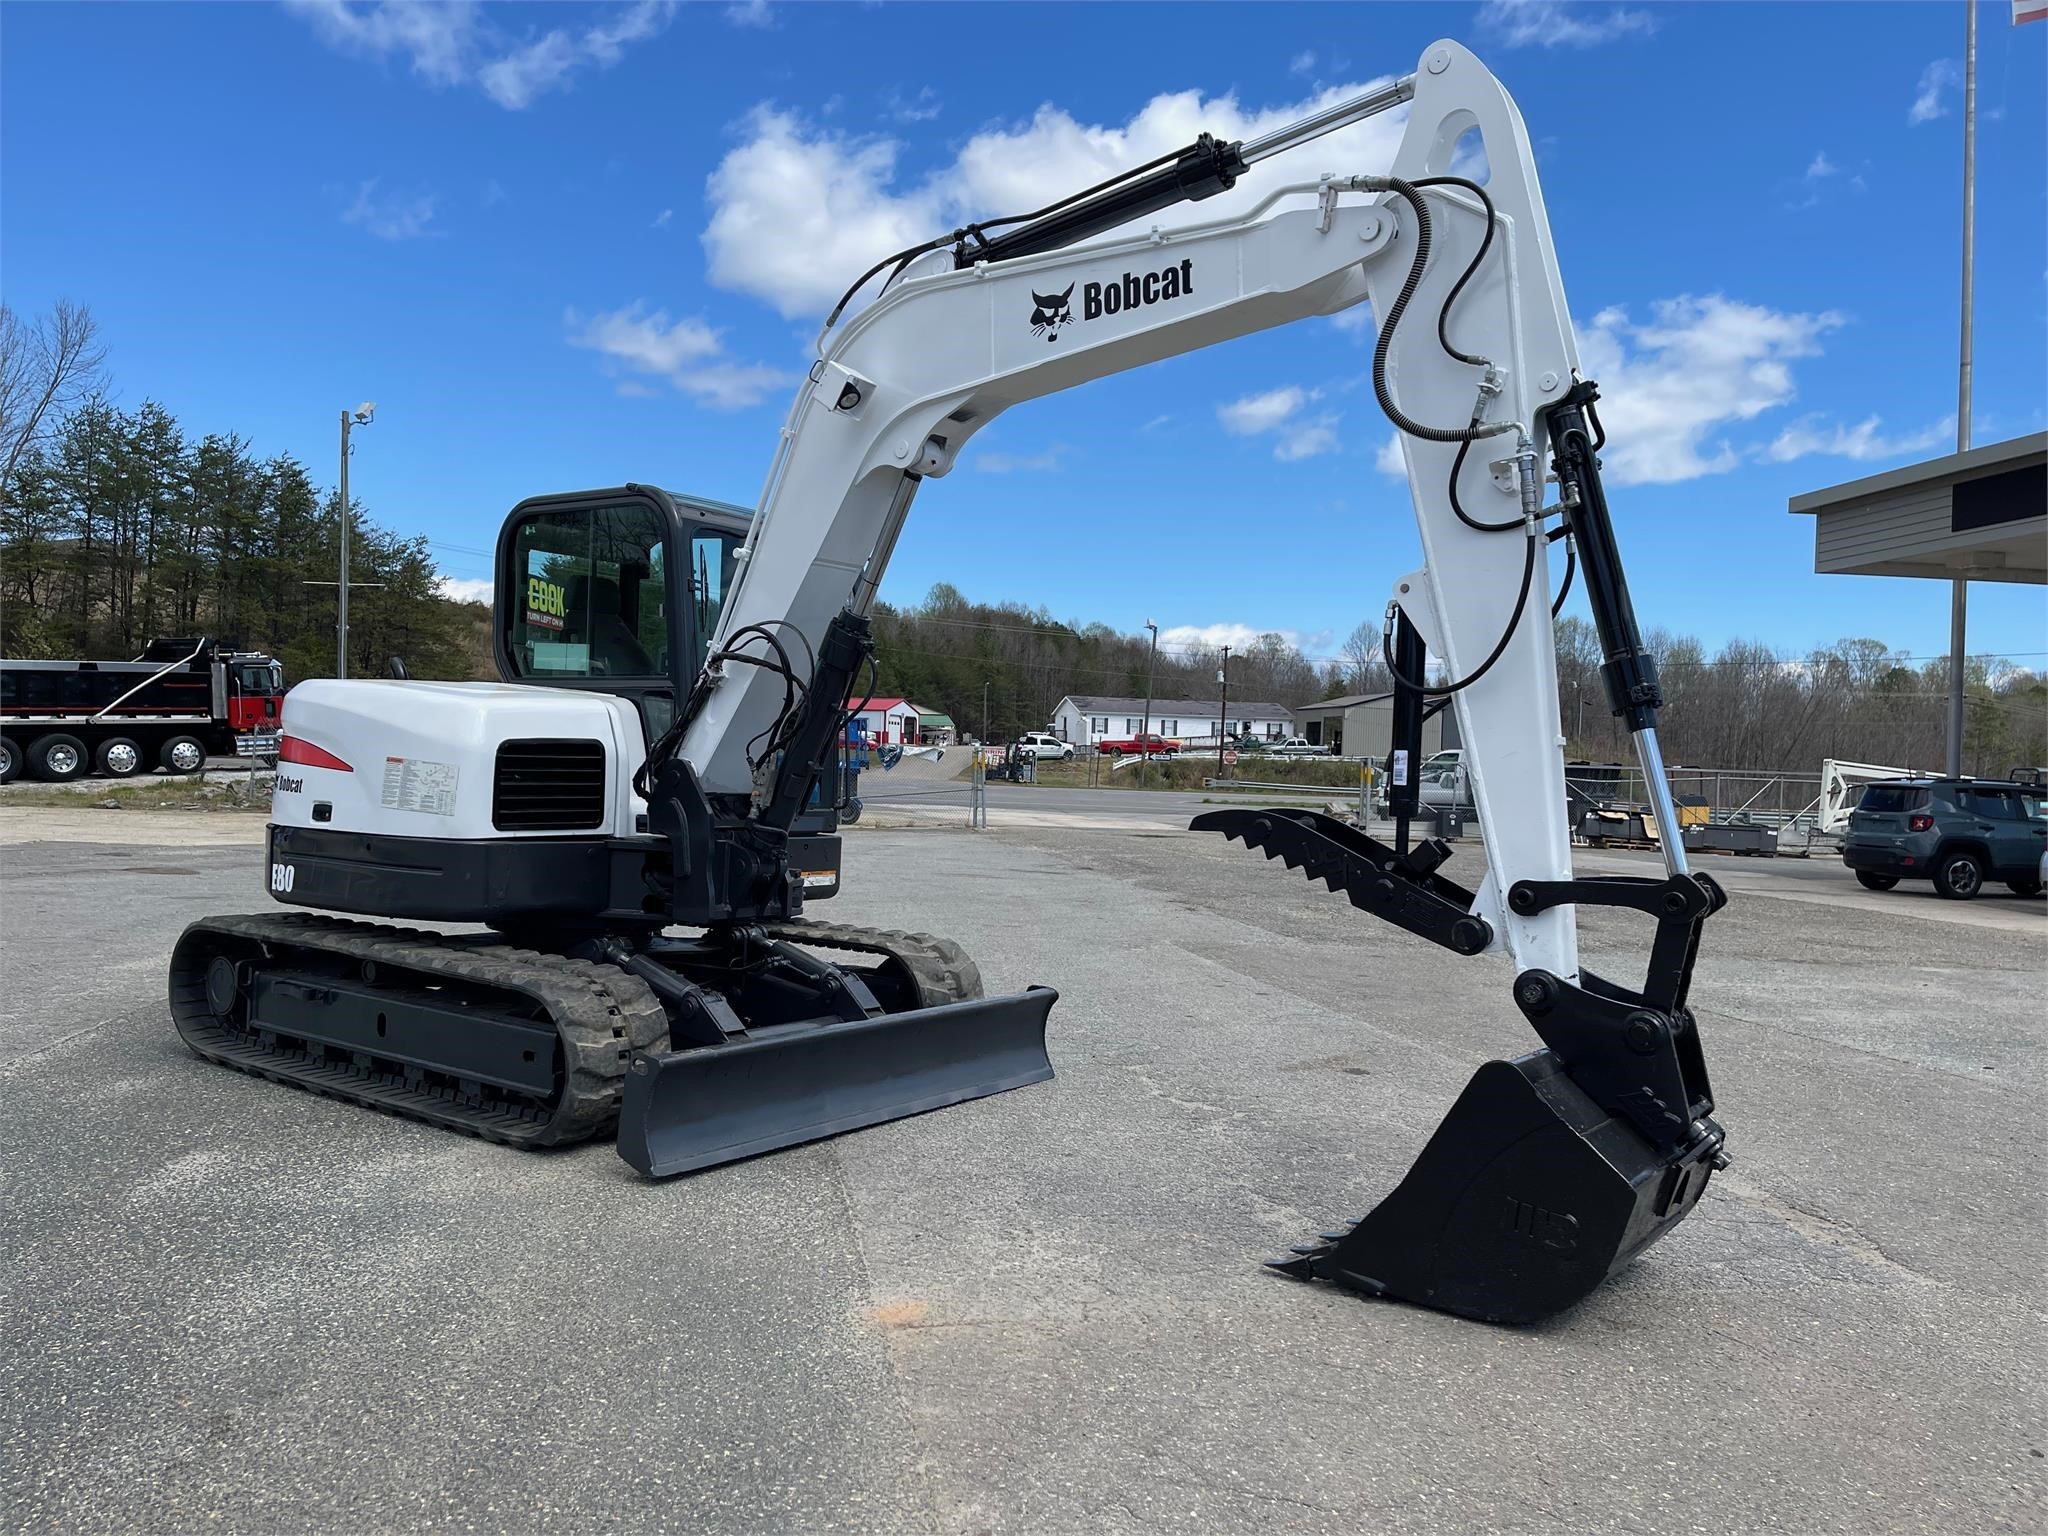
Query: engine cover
[[464, 761]]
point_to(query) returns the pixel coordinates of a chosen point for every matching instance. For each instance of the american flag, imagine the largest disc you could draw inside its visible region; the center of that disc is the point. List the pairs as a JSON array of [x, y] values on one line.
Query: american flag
[[2029, 10]]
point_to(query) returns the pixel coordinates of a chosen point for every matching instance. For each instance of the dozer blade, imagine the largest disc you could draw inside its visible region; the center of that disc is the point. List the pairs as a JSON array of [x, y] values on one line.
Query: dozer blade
[[792, 1083], [1525, 1199]]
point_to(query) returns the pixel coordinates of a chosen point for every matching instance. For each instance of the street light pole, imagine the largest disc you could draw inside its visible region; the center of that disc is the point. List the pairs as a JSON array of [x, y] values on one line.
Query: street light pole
[[359, 417], [1959, 591], [1223, 720], [1145, 727]]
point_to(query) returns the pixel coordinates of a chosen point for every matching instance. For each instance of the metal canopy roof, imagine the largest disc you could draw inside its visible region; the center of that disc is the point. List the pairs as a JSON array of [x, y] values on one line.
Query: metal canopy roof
[[1981, 514]]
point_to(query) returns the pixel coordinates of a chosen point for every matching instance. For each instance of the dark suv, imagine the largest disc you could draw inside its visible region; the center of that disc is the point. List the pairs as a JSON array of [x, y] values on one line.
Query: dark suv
[[1956, 832]]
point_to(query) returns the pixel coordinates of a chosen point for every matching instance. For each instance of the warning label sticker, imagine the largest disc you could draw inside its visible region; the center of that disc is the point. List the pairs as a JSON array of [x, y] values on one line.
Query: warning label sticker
[[815, 879], [414, 784]]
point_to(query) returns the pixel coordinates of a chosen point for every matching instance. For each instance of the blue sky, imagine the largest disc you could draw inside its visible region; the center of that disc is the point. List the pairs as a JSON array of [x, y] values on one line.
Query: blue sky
[[565, 245]]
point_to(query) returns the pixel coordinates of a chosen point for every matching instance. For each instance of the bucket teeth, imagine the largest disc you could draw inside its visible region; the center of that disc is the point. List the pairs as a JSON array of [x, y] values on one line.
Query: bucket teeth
[[1300, 1267]]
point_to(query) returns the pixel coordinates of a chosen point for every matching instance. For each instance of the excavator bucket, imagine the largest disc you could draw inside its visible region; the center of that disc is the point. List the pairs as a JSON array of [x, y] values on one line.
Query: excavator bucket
[[777, 1087], [1526, 1198]]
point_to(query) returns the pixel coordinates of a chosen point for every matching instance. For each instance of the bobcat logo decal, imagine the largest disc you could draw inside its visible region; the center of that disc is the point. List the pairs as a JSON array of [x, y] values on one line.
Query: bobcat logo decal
[[1050, 312]]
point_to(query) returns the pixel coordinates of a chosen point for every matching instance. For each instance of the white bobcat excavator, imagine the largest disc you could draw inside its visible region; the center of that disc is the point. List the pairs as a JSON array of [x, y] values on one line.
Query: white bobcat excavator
[[677, 678]]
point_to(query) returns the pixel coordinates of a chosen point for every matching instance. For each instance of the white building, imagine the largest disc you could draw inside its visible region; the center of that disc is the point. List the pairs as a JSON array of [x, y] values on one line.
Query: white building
[[890, 721], [1087, 719]]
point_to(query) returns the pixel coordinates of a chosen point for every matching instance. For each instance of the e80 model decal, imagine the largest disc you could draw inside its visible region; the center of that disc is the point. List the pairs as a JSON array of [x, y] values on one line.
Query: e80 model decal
[[281, 878], [1052, 313]]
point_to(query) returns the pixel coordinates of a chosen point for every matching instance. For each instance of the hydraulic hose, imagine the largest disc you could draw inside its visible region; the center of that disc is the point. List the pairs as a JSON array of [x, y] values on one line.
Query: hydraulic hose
[[1408, 192]]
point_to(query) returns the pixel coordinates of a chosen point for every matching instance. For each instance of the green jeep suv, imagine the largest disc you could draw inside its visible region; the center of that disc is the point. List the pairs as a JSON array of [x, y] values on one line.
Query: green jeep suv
[[1958, 833]]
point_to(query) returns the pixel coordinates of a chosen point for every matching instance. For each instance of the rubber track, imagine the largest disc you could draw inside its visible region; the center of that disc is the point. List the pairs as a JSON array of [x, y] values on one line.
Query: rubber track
[[941, 969], [600, 1012]]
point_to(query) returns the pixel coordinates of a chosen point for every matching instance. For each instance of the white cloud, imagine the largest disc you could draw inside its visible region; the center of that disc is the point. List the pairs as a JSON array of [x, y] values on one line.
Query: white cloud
[[1389, 460], [453, 44], [1865, 440], [1209, 637], [1358, 321], [1821, 167], [751, 13], [999, 463], [465, 589], [799, 210], [921, 108], [495, 193], [1302, 63], [1306, 438], [1554, 24], [1940, 76], [1699, 365], [661, 219], [391, 217], [1261, 413], [437, 39], [1280, 411], [688, 353]]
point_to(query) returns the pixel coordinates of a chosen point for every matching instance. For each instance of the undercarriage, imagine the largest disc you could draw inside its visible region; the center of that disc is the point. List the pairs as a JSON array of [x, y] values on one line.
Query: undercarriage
[[541, 1047]]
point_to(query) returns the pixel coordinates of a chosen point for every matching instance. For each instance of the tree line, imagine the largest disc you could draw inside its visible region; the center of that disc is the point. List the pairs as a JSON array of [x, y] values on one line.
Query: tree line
[[1747, 706], [116, 526]]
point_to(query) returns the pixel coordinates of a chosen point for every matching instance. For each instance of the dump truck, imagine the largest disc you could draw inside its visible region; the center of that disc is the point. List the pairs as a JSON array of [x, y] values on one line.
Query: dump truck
[[172, 707]]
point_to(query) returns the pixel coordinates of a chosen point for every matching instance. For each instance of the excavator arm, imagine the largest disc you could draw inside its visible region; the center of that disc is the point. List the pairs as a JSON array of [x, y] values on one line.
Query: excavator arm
[[1552, 1170]]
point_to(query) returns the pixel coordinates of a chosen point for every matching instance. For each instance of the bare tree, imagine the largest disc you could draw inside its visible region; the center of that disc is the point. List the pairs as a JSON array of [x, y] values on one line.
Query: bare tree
[[46, 366]]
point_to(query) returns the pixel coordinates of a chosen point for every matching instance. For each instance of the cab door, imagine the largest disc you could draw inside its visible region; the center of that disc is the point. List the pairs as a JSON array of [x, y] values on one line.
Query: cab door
[[584, 597]]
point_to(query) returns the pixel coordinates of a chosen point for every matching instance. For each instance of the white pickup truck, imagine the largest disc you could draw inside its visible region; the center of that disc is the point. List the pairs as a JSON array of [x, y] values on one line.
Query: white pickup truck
[[1292, 746]]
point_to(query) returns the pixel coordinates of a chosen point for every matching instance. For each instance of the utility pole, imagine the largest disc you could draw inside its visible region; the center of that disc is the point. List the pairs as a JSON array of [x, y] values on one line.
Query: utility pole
[[361, 416], [1223, 721], [1959, 590], [984, 712], [1145, 729]]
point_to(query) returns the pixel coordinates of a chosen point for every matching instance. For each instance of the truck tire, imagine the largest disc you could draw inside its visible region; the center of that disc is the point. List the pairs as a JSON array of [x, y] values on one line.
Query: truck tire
[[10, 761], [1871, 880], [121, 757], [57, 758], [183, 754], [2024, 887], [1959, 876]]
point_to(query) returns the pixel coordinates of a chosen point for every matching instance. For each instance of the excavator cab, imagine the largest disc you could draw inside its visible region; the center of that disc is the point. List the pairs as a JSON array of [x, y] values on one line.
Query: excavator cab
[[618, 591]]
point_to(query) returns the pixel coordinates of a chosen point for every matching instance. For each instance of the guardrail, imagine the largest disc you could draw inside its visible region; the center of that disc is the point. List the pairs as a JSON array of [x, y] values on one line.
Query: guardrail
[[1325, 790]]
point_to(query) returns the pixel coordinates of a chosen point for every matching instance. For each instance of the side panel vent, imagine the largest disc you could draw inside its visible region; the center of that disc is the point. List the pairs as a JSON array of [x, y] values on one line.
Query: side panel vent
[[549, 786]]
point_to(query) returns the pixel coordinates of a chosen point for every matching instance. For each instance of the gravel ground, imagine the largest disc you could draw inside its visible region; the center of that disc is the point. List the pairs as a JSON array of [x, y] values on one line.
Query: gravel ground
[[235, 1307]]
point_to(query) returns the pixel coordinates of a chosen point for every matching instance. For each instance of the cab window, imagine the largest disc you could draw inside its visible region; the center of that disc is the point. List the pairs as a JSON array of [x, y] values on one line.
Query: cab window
[[588, 594], [712, 566]]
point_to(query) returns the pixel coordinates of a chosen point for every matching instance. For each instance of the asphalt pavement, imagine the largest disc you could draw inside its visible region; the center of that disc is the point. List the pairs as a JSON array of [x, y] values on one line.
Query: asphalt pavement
[[237, 1307]]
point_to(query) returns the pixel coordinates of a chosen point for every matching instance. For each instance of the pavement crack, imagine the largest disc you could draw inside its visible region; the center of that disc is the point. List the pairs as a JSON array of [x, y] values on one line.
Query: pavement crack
[[1819, 1227], [29, 1058], [934, 1499]]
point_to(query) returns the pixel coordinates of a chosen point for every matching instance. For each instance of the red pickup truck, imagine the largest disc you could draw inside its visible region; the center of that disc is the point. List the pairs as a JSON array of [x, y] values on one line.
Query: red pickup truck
[[1151, 744]]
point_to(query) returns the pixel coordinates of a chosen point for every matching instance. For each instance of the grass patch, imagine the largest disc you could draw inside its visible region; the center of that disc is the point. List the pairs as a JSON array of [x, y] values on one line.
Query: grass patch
[[154, 794], [1189, 773]]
